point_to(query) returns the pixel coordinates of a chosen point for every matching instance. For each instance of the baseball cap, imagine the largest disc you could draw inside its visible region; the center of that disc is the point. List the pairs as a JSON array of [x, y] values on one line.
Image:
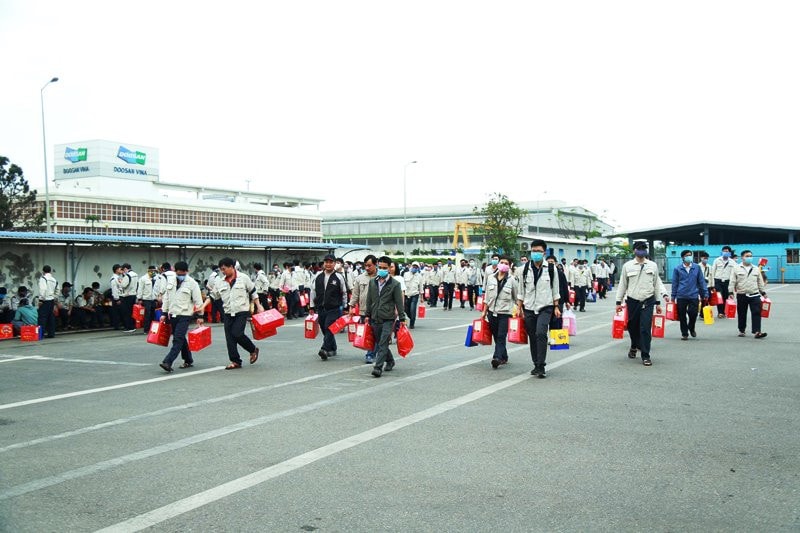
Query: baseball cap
[[329, 257]]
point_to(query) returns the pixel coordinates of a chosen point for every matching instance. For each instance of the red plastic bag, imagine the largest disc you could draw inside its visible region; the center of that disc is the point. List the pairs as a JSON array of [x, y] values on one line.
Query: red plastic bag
[[199, 338], [404, 341], [618, 326], [364, 337], [730, 308]]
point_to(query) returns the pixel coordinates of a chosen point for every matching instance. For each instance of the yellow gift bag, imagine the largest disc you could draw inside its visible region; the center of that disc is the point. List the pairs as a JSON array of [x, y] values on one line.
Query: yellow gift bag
[[708, 315], [559, 339]]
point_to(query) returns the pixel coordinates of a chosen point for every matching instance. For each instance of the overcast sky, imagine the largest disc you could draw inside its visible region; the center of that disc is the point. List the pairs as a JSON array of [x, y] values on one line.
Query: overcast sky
[[650, 112]]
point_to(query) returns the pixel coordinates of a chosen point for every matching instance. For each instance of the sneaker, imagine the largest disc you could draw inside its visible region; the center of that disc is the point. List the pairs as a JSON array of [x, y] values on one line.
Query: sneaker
[[323, 355], [632, 353], [495, 363], [647, 362], [541, 374], [377, 372], [129, 331], [721, 315], [535, 371], [369, 360], [389, 366], [693, 333]]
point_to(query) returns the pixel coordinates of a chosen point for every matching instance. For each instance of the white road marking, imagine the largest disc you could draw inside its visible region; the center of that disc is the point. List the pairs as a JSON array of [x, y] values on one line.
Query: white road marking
[[177, 508]]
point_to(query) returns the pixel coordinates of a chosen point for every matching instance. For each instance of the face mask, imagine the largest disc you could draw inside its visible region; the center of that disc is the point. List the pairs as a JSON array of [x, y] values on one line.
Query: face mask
[[536, 256], [704, 261], [726, 255], [495, 261], [414, 270], [687, 259], [449, 263], [502, 267], [580, 267], [640, 253], [181, 277], [472, 263], [747, 260], [383, 273], [2, 296]]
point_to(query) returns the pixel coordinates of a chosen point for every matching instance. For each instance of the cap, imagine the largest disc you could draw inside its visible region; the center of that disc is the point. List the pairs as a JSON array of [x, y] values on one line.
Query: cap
[[329, 257], [415, 264], [640, 245], [66, 284]]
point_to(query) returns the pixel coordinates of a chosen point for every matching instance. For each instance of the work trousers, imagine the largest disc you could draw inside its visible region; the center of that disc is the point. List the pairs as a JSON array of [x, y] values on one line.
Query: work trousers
[[687, 314], [753, 303], [498, 325], [640, 318], [180, 345], [234, 335], [537, 325]]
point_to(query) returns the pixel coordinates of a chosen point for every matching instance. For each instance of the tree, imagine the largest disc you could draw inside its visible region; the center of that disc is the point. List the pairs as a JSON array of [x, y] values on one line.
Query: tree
[[18, 208], [586, 229], [502, 224]]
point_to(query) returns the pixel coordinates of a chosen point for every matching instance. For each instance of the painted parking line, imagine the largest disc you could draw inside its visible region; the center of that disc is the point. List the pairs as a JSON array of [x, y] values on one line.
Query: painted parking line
[[19, 358], [185, 505], [104, 389]]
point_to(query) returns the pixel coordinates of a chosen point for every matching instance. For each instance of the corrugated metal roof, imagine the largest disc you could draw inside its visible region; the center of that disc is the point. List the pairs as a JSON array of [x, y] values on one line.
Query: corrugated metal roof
[[27, 236]]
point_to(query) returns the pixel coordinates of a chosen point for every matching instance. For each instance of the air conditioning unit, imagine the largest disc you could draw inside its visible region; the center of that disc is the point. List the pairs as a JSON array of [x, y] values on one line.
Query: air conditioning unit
[[523, 246]]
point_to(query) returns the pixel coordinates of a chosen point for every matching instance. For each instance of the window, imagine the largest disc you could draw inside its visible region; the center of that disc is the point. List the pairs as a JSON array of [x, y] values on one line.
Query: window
[[560, 252], [793, 255]]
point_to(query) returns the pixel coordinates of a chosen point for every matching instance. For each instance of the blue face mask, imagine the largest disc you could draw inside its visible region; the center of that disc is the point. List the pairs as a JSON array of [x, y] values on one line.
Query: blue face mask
[[640, 253], [2, 296], [687, 259], [181, 277], [383, 273], [495, 261], [414, 270], [537, 256], [726, 255], [747, 260]]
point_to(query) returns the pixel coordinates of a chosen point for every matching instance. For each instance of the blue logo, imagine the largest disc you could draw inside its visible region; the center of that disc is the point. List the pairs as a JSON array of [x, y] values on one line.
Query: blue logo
[[74, 155], [132, 158]]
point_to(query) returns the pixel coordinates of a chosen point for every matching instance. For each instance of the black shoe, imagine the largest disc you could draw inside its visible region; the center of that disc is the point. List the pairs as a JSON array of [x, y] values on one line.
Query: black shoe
[[582, 310], [647, 362], [165, 366], [632, 353], [495, 363], [411, 326], [332, 354], [693, 333], [323, 355], [389, 366], [377, 372], [542, 373], [535, 371]]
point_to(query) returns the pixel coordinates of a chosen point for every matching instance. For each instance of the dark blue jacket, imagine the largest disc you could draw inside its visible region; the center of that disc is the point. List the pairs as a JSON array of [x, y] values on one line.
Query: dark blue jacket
[[690, 284]]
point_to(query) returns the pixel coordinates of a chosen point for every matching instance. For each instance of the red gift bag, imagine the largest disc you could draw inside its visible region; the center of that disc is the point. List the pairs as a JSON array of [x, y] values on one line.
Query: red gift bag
[[29, 333], [658, 327], [268, 320], [672, 311], [283, 308], [571, 297], [364, 337], [516, 331], [199, 338], [465, 295], [351, 329], [441, 293], [138, 312], [618, 326], [138, 323], [6, 331], [262, 334], [481, 332], [311, 326], [716, 298], [404, 341], [766, 305], [730, 308], [427, 293], [421, 311], [339, 324], [595, 286], [159, 333], [479, 303], [303, 299]]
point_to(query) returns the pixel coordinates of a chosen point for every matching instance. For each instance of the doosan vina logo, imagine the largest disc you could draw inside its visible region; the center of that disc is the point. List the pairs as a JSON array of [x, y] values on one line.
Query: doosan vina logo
[[74, 155], [132, 158]]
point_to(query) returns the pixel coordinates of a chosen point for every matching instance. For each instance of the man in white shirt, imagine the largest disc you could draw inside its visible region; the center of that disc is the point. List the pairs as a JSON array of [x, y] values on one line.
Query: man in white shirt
[[47, 301]]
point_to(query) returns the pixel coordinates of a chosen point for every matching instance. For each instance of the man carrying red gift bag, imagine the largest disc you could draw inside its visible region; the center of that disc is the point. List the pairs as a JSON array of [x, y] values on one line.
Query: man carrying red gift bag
[[384, 313], [236, 292], [182, 303], [328, 298], [747, 286], [688, 286]]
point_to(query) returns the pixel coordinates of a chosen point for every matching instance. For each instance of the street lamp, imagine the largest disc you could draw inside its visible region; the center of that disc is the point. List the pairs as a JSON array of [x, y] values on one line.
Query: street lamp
[[405, 214], [44, 144]]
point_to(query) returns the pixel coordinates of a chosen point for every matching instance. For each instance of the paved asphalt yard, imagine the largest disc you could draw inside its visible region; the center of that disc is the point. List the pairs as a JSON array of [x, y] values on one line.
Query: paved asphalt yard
[[95, 436]]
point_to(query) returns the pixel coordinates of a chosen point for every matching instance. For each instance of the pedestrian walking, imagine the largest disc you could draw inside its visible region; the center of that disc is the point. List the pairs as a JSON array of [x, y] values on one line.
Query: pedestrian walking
[[721, 271], [328, 297], [384, 314], [413, 281], [182, 303], [640, 288], [358, 298], [688, 286], [499, 300], [747, 284]]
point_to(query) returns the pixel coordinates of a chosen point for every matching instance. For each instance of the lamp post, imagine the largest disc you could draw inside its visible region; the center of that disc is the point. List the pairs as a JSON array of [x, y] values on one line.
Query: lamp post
[[44, 145], [405, 214]]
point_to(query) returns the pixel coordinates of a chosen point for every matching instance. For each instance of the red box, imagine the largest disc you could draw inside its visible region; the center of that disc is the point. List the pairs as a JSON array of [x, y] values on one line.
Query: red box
[[571, 297], [421, 311], [465, 295], [351, 329], [516, 331], [268, 320], [479, 303], [138, 312], [730, 308], [339, 324], [441, 293], [138, 323], [404, 341], [199, 338], [159, 333], [263, 334], [659, 325], [6, 331], [672, 311], [29, 333], [303, 299], [364, 337], [311, 328], [766, 305], [481, 332], [427, 293]]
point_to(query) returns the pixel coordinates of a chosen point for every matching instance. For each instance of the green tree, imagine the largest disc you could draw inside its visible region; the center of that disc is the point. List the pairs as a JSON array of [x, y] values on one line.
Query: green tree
[[575, 226], [18, 208], [502, 224]]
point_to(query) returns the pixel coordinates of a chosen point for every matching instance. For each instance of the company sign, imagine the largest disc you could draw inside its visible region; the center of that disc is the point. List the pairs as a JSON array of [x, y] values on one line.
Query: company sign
[[131, 157], [74, 155]]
